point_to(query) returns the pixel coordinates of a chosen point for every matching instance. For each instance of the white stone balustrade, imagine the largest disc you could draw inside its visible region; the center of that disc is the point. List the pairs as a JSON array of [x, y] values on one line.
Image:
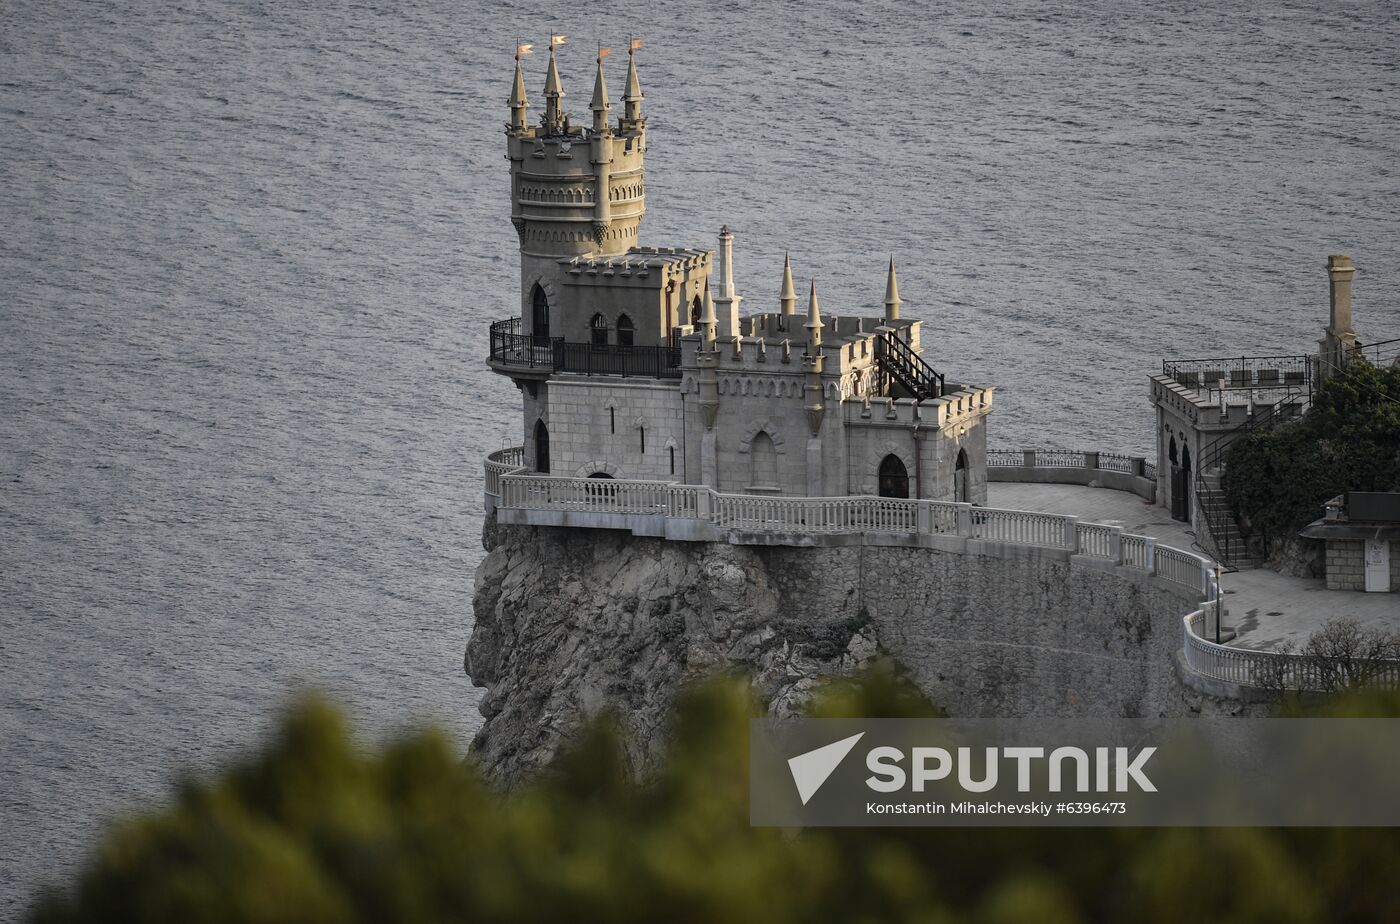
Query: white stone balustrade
[[615, 504], [1268, 670]]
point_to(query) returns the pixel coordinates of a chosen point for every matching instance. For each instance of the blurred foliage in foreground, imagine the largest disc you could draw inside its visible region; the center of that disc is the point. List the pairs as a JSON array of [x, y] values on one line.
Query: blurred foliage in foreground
[[317, 830]]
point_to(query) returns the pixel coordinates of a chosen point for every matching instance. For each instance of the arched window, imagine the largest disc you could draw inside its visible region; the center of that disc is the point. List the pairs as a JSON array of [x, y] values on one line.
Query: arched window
[[1171, 451], [601, 475], [541, 448], [598, 330], [894, 477], [539, 314], [764, 460], [960, 486], [624, 331], [697, 308]]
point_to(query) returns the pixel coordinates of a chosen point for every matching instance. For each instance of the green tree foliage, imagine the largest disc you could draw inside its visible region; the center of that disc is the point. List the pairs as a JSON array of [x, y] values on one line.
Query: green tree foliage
[[1277, 480], [319, 830]]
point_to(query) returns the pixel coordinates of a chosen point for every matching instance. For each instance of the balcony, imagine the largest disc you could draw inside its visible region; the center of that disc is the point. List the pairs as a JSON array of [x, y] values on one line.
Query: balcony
[[522, 356]]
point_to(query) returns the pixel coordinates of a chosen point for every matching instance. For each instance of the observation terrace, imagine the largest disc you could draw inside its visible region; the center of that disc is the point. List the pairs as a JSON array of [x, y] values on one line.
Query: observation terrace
[[695, 513], [524, 356]]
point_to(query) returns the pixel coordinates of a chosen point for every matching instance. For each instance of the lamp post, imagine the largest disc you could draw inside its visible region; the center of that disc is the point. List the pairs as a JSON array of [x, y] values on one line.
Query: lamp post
[[1219, 572]]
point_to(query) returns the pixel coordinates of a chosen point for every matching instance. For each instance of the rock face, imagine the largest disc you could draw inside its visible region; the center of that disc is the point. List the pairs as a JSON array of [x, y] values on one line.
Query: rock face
[[573, 622], [1299, 557]]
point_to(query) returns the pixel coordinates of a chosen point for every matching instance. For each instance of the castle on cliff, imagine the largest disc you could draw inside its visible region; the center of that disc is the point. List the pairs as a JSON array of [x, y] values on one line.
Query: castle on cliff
[[634, 362]]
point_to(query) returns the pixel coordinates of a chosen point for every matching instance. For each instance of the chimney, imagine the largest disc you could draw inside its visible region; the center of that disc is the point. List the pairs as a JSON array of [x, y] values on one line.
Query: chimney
[[1340, 270], [1340, 341], [727, 303]]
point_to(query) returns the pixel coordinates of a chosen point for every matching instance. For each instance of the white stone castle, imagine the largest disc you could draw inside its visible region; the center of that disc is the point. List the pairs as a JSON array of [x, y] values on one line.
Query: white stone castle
[[635, 362]]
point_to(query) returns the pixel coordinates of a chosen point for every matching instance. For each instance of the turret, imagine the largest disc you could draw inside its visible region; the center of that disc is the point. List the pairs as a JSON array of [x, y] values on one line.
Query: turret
[[813, 362], [600, 98], [632, 113], [553, 92], [519, 104], [575, 190], [601, 155], [708, 323], [788, 298], [891, 296]]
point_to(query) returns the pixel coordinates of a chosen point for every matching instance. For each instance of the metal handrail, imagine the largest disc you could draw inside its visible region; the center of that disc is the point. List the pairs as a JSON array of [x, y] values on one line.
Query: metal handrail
[[510, 347], [1213, 458], [897, 359]]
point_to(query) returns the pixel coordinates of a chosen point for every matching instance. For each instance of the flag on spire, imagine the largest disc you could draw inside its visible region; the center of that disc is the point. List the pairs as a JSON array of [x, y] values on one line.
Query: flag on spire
[[523, 48], [555, 40]]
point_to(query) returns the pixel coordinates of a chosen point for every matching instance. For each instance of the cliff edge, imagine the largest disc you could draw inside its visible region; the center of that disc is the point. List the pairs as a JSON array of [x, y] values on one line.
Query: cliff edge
[[571, 623]]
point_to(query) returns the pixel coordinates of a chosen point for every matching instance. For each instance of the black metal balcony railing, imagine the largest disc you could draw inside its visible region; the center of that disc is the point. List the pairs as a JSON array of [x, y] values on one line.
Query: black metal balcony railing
[[1241, 372], [509, 347]]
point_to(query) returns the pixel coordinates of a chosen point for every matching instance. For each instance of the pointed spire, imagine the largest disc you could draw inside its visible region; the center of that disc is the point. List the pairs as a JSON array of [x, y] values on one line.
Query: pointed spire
[[788, 298], [633, 97], [600, 96], [553, 89], [708, 321], [518, 101], [814, 322], [892, 301]]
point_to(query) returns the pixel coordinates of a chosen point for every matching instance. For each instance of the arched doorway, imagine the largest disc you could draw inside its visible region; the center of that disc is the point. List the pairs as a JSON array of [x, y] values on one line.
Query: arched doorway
[[541, 448], [1180, 488], [960, 487], [1186, 483], [763, 461], [894, 477], [601, 489], [539, 314], [624, 331]]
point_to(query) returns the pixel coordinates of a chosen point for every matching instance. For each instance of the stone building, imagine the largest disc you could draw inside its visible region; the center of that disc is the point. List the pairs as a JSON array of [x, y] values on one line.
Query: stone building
[[1204, 405], [1361, 532], [635, 362]]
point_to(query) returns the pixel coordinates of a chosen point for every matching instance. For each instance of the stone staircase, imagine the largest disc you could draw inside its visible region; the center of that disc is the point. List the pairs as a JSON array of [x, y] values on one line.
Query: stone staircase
[[1224, 533]]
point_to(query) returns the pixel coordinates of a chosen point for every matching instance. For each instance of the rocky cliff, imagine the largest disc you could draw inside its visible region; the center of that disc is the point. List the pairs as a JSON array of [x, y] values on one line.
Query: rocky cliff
[[573, 622]]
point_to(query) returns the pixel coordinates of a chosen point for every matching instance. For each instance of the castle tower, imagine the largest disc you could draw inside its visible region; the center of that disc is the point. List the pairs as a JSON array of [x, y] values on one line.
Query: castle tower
[[577, 191]]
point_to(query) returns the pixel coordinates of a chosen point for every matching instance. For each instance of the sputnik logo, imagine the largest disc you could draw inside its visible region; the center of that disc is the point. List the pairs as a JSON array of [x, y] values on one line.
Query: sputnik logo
[[811, 770]]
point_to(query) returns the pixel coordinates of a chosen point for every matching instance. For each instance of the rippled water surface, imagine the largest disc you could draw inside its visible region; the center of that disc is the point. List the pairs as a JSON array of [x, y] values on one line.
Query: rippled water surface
[[248, 253]]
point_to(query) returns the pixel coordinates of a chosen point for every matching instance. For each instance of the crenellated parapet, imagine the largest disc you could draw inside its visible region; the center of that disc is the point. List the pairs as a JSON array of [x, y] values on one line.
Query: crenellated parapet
[[957, 409], [576, 188]]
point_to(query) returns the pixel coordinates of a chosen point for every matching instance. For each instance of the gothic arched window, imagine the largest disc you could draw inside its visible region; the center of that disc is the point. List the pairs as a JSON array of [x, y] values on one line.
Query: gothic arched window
[[960, 486], [598, 330], [764, 461], [696, 310], [624, 331]]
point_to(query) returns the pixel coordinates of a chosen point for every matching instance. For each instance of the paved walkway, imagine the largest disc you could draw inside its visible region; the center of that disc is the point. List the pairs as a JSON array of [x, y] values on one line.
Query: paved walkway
[[1266, 608]]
